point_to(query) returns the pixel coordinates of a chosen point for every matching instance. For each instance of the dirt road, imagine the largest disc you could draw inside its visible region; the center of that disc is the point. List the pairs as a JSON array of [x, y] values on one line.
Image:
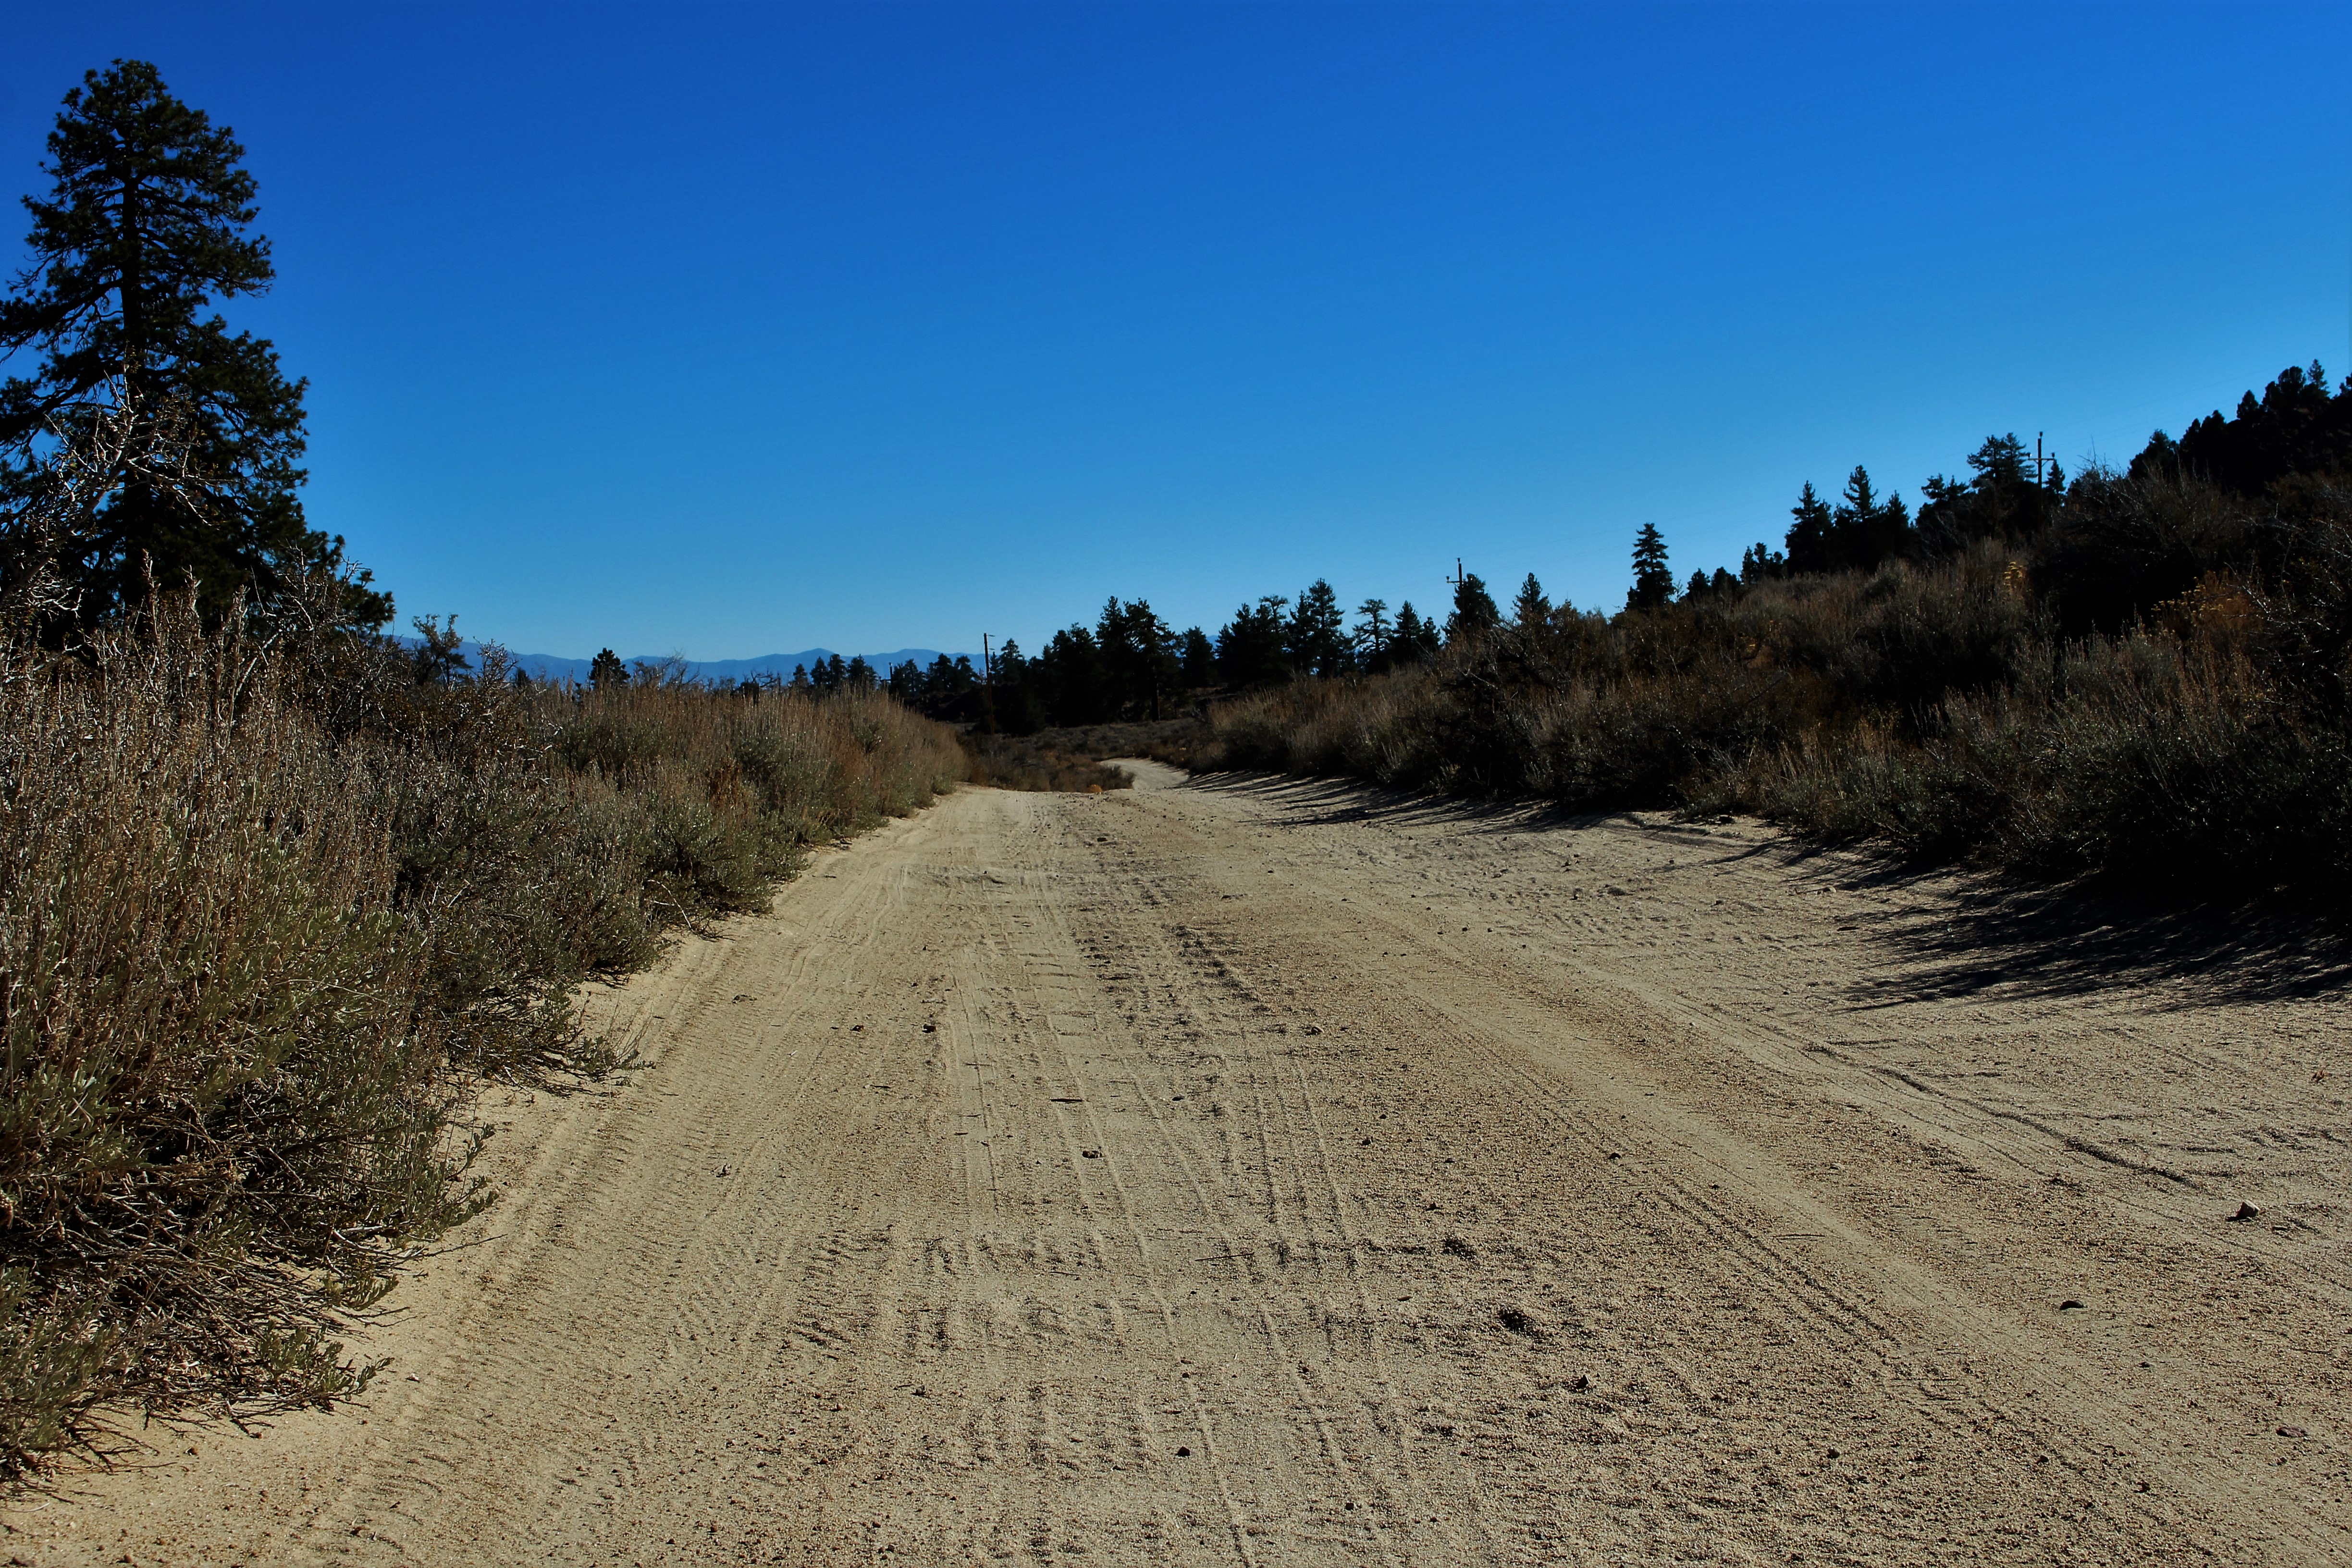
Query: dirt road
[[1270, 1173]]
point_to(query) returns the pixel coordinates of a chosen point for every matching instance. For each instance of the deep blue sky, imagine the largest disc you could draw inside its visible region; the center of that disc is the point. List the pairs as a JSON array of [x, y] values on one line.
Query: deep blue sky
[[725, 330]]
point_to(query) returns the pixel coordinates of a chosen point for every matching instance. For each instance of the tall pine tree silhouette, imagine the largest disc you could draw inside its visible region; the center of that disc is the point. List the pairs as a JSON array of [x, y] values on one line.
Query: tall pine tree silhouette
[[1530, 610], [1867, 529], [1474, 610], [1372, 635], [1653, 582], [1807, 541], [1416, 638], [146, 226], [1317, 632]]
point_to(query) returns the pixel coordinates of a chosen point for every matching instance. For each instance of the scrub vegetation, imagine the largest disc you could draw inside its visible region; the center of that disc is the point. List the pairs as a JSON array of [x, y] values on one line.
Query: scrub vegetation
[[281, 893], [2144, 675], [275, 909], [2141, 674]]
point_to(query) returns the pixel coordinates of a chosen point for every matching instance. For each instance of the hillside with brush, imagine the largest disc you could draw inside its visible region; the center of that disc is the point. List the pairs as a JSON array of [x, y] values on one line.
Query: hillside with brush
[[2142, 674]]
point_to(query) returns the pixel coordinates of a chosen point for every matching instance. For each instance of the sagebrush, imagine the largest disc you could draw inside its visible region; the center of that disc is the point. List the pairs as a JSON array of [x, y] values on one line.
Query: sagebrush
[[2159, 693], [272, 909]]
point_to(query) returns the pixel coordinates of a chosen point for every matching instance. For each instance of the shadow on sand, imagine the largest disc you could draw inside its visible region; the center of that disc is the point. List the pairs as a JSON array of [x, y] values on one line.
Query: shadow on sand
[[1967, 932], [1958, 933], [1319, 803]]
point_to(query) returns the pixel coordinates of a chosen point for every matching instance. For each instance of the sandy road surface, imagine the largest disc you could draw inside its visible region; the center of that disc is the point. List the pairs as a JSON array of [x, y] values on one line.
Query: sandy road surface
[[1269, 1175]]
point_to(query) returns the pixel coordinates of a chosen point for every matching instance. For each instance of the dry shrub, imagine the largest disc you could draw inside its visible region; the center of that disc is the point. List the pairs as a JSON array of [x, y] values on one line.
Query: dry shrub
[[542, 835], [1036, 763], [1939, 711], [272, 909], [227, 1115], [2147, 758]]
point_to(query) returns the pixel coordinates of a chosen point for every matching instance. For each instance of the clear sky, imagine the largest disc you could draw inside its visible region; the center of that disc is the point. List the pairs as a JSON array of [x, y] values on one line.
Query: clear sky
[[724, 329]]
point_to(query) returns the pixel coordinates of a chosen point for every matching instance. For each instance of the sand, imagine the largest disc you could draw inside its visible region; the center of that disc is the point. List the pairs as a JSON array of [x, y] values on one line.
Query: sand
[[1248, 1172]]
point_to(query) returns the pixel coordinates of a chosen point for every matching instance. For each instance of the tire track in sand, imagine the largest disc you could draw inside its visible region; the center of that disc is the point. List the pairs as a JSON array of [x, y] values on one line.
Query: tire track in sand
[[1147, 1179]]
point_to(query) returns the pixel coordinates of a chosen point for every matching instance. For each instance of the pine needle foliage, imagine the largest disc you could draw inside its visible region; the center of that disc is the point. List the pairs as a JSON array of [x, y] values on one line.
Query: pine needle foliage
[[147, 228]]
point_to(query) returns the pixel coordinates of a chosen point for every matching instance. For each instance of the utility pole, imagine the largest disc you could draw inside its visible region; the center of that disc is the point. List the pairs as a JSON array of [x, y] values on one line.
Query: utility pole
[[987, 686]]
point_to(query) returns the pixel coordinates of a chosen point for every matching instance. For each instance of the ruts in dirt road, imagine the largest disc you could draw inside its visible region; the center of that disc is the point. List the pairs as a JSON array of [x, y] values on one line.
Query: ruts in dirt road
[[1264, 1172]]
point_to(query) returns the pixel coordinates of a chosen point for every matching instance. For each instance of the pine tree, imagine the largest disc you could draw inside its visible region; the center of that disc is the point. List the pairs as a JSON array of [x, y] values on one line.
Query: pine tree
[[1250, 650], [1019, 708], [1999, 463], [606, 672], [1317, 637], [436, 657], [147, 225], [1653, 584], [1758, 564], [1416, 638], [1200, 658], [1474, 610], [1865, 531], [857, 675], [2294, 427], [1808, 533], [1530, 610], [1138, 656], [1072, 686], [1948, 513], [2000, 500], [1372, 635], [933, 690]]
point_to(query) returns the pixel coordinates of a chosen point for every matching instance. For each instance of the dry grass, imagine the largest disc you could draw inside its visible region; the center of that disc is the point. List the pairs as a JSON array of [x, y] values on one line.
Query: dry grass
[[1942, 712], [1176, 741], [1039, 761], [228, 1112], [272, 912]]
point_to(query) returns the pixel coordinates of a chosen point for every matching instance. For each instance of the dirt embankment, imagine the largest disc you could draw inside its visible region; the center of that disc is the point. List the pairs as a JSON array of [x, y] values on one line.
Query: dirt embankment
[[1266, 1172]]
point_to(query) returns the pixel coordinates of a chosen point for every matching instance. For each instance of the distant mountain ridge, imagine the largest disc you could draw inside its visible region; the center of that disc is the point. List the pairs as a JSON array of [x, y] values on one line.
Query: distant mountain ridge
[[720, 671]]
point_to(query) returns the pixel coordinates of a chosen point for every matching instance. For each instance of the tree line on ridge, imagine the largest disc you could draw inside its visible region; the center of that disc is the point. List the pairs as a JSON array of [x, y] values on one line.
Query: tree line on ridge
[[1131, 664]]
